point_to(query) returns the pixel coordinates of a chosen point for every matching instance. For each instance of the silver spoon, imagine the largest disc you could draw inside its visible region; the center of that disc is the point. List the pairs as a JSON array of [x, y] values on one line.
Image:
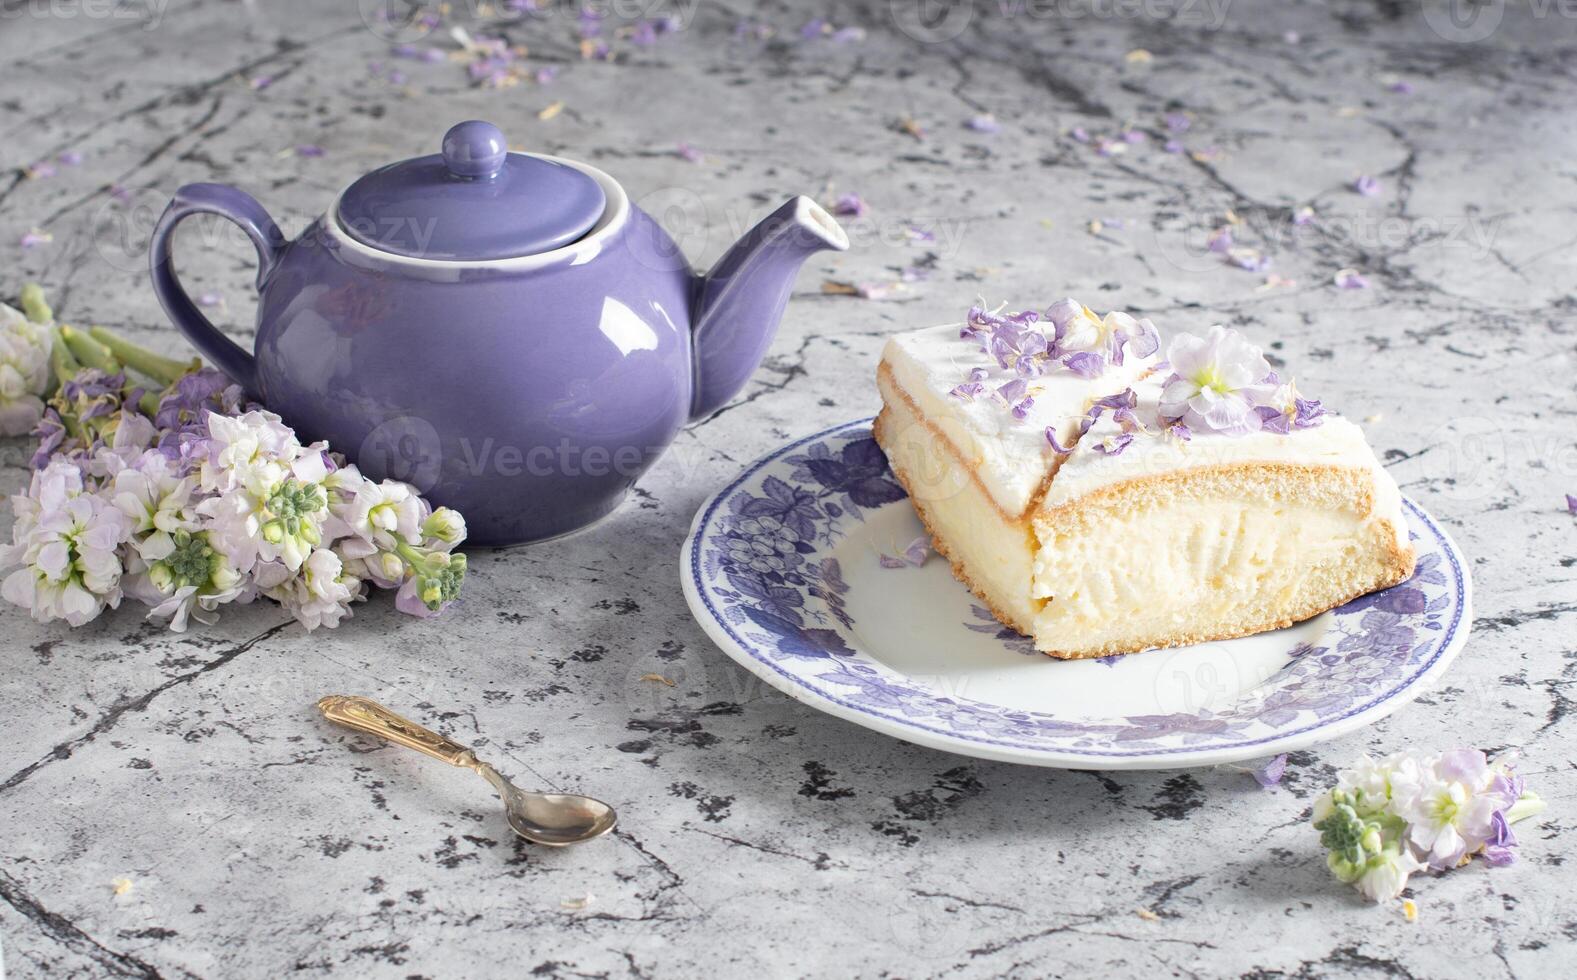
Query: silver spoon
[[551, 819]]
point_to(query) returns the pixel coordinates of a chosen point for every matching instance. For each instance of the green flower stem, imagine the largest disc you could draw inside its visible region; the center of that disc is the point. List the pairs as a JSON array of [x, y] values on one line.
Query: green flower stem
[[1526, 806], [164, 370], [34, 305], [89, 352], [65, 365]]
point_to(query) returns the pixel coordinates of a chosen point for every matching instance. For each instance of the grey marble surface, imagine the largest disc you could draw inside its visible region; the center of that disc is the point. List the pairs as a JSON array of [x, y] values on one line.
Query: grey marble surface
[[758, 836]]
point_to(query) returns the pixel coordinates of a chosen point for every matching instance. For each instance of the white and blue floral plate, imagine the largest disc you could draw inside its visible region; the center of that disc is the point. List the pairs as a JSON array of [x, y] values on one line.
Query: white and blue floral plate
[[781, 569]]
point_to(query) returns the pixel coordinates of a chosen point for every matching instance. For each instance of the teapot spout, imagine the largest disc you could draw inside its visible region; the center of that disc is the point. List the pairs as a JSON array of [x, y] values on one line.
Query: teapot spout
[[738, 304]]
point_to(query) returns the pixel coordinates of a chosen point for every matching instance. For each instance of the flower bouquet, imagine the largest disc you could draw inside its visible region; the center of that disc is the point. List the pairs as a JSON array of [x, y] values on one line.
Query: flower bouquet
[[154, 479], [1388, 818]]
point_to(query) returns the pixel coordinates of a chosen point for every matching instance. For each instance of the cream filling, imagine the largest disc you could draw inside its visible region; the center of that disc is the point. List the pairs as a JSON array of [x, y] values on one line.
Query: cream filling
[[1186, 566]]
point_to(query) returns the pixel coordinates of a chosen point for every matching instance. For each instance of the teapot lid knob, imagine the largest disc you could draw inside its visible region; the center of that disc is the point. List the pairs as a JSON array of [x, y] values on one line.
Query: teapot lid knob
[[474, 149]]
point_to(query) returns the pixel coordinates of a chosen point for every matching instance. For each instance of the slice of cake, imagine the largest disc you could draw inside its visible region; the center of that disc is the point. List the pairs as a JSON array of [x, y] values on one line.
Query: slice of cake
[[1167, 503]]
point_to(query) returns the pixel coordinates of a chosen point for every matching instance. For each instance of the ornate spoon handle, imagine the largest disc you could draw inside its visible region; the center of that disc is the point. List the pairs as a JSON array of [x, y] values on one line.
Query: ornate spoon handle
[[369, 716]]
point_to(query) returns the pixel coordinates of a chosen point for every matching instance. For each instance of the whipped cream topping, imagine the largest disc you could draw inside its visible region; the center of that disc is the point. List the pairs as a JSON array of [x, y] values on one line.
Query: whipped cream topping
[[1097, 461], [1011, 455]]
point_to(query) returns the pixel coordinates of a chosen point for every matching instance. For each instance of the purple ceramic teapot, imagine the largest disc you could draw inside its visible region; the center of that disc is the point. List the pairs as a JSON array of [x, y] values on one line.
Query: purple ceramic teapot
[[504, 330]]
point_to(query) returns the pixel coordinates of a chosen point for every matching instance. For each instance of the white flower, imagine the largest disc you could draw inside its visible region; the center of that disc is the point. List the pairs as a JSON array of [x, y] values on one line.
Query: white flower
[[157, 501], [1078, 328], [385, 513], [24, 371], [189, 580], [1372, 782], [1450, 808], [1386, 874], [67, 544], [1216, 382], [321, 594], [253, 451], [274, 509], [132, 436]]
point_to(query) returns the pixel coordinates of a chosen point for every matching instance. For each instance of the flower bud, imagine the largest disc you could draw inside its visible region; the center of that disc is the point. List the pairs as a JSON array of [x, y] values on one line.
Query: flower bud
[[162, 578], [1371, 840], [445, 525]]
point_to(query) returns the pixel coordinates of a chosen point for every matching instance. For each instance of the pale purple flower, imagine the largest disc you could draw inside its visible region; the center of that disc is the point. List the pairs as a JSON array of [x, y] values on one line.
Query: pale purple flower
[[1366, 185], [1056, 447], [1571, 504], [1450, 808], [35, 238], [309, 150], [1303, 216], [1062, 312], [1177, 122], [321, 595], [70, 158], [1250, 259], [408, 600], [688, 153], [1216, 383], [1086, 364], [1021, 350], [1401, 87], [65, 548], [1173, 146], [1013, 390], [415, 53], [984, 123], [850, 206], [1080, 134], [1499, 849], [1122, 330], [1112, 445], [912, 556], [1219, 241], [974, 387], [1269, 774], [1351, 279]]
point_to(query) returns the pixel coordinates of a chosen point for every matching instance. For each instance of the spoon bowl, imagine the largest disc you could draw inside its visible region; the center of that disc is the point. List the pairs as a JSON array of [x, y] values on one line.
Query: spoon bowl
[[550, 819]]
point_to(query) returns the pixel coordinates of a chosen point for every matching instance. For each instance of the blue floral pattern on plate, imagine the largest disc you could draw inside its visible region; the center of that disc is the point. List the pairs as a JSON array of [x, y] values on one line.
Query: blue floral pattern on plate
[[761, 576]]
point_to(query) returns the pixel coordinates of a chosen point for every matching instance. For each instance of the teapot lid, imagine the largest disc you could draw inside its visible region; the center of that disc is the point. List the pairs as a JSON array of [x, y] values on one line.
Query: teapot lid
[[473, 201]]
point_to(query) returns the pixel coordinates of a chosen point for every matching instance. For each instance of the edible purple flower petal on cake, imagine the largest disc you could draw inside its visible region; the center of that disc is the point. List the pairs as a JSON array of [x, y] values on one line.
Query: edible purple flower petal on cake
[[1085, 364]]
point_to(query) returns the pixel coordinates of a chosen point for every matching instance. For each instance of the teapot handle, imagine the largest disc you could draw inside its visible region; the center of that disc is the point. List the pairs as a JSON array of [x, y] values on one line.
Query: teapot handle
[[243, 209]]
